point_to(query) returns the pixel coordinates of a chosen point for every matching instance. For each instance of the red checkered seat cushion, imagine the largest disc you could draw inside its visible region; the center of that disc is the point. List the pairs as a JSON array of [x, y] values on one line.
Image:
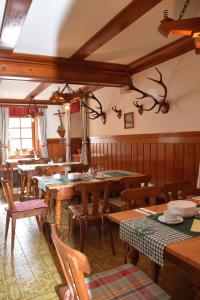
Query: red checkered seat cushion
[[30, 204], [126, 282]]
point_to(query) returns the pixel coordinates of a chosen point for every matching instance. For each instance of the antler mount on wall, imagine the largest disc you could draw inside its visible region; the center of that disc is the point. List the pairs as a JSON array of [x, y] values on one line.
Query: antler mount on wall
[[96, 112], [162, 104]]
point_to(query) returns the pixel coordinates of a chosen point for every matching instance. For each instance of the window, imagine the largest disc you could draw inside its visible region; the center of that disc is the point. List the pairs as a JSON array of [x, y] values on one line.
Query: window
[[20, 135]]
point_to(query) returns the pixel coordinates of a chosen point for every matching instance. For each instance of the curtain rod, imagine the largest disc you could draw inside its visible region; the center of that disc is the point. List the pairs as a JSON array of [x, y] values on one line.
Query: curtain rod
[[11, 105]]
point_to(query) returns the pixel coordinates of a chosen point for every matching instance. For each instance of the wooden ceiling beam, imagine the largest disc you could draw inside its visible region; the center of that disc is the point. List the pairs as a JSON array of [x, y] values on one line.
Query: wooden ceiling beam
[[39, 89], [22, 101], [70, 72], [162, 54], [121, 21], [13, 20]]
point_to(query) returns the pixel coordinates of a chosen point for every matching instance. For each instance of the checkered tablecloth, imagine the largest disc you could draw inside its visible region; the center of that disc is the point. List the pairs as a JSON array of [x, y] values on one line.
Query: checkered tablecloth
[[149, 237]]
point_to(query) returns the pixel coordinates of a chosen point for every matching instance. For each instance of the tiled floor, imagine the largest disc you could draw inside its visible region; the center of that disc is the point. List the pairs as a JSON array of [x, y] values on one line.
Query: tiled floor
[[31, 272]]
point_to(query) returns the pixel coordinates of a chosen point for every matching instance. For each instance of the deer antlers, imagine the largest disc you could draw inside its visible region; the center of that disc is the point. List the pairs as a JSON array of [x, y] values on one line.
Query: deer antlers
[[118, 111], [94, 114], [163, 106]]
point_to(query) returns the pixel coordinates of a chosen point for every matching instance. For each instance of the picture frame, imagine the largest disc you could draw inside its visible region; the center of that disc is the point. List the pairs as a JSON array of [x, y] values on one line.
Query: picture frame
[[128, 120]]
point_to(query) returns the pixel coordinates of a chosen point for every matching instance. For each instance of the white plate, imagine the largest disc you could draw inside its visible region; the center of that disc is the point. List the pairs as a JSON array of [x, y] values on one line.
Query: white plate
[[163, 220]]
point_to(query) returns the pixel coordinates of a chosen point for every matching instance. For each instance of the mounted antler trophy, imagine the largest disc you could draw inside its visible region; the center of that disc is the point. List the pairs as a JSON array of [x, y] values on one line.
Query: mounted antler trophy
[[118, 111], [162, 104], [94, 114]]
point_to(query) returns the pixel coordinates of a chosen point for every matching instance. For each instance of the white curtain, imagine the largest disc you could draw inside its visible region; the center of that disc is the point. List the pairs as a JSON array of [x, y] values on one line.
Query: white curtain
[[84, 149], [68, 133], [43, 132], [4, 126]]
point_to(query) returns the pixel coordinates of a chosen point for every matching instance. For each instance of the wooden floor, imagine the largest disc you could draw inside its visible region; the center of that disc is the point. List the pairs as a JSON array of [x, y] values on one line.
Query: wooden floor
[[32, 273]]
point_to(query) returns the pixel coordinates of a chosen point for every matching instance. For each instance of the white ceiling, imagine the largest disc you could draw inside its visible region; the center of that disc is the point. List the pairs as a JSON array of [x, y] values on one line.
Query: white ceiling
[[60, 27]]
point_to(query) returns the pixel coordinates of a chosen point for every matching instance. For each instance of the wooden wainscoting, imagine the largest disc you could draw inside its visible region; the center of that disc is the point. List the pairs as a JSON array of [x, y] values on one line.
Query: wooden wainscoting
[[166, 156], [57, 147]]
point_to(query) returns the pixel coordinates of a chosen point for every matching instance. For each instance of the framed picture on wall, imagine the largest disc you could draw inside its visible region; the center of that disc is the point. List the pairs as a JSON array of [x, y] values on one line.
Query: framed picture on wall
[[128, 120]]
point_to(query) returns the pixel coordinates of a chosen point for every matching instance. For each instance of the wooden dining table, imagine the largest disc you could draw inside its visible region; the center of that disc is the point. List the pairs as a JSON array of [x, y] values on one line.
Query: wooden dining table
[[185, 253], [11, 164], [55, 185], [28, 171]]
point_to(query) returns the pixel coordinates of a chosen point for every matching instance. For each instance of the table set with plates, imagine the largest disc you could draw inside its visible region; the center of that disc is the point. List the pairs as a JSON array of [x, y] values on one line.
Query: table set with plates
[[159, 236], [50, 183]]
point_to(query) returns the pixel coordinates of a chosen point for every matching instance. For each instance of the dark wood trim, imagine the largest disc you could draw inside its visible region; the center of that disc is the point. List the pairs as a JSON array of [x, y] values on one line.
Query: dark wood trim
[[39, 89], [14, 17], [21, 101], [162, 54], [165, 156], [169, 137], [44, 72], [7, 55], [122, 20]]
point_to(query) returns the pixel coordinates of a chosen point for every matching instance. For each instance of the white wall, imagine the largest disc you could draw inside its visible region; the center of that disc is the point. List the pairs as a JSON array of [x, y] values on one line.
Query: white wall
[[52, 121], [181, 76]]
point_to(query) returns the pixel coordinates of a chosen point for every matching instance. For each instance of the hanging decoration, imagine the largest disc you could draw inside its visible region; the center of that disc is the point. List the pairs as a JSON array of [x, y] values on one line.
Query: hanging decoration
[[162, 104]]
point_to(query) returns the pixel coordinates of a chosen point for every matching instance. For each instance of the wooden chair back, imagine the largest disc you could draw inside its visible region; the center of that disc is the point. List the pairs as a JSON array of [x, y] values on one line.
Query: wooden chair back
[[74, 265], [51, 170], [171, 190], [79, 168], [8, 193], [135, 181], [94, 191], [135, 198]]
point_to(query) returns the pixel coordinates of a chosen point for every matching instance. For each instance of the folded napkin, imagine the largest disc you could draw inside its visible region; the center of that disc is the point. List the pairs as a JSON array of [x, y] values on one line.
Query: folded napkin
[[195, 225]]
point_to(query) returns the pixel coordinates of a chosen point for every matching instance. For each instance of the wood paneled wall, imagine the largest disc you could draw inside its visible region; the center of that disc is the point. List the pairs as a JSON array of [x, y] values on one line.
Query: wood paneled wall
[[167, 157], [57, 147]]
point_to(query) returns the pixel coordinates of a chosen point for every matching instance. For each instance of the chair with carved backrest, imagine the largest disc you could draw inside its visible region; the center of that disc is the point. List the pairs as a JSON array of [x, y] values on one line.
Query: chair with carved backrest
[[51, 170], [176, 190], [123, 282], [79, 168], [117, 204], [91, 209], [19, 210]]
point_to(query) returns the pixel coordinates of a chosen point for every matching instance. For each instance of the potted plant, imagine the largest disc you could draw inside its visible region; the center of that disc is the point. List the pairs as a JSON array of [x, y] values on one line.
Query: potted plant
[[61, 131], [61, 128]]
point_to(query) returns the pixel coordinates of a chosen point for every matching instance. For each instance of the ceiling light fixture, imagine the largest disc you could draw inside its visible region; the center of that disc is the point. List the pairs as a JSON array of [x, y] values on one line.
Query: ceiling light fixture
[[186, 27], [59, 97]]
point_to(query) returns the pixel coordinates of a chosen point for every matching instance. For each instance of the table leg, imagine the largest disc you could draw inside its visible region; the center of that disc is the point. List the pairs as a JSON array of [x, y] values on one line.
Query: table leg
[[155, 269], [110, 235], [58, 212], [133, 254]]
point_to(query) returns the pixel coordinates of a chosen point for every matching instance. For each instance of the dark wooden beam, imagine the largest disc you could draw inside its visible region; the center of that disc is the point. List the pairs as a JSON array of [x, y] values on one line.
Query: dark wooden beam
[[43, 69], [39, 89], [121, 21], [83, 90], [162, 54], [22, 101], [13, 20]]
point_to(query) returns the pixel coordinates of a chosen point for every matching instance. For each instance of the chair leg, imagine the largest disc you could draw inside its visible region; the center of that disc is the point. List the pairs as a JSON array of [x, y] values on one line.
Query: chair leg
[[70, 226], [110, 234], [13, 234], [82, 234], [7, 225], [38, 219]]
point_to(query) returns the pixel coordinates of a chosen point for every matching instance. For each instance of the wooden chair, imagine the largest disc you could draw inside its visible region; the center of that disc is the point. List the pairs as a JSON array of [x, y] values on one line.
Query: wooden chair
[[176, 190], [19, 210], [117, 204], [136, 198], [51, 170], [79, 168], [88, 212], [123, 282]]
